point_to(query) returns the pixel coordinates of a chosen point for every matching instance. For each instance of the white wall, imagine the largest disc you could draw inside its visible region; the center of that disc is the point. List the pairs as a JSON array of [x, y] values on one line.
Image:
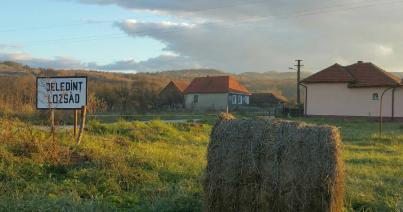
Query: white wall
[[217, 101], [399, 102], [339, 100]]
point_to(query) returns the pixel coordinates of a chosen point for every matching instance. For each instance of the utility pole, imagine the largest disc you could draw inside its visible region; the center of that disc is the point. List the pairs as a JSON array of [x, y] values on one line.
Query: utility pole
[[299, 66]]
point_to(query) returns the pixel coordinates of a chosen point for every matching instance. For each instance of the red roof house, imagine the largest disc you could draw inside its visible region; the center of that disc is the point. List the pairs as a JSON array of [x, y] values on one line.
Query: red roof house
[[215, 93], [356, 75], [354, 90], [216, 84]]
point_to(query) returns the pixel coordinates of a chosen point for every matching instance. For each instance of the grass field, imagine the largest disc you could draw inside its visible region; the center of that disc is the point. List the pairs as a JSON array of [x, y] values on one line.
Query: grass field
[[374, 166], [158, 166]]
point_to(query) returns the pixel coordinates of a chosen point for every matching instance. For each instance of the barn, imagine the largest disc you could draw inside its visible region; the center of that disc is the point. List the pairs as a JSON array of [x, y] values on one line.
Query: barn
[[269, 101], [172, 96]]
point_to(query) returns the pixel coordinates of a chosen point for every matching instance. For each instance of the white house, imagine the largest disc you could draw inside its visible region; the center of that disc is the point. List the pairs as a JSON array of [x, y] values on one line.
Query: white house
[[215, 93], [353, 91]]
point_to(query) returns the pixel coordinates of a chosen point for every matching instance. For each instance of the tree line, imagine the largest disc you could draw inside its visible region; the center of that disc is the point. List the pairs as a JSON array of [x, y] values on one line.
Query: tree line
[[116, 92]]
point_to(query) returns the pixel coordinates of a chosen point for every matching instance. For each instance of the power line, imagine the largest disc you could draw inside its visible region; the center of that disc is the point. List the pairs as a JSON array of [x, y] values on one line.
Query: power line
[[101, 37], [111, 21], [338, 8], [322, 10]]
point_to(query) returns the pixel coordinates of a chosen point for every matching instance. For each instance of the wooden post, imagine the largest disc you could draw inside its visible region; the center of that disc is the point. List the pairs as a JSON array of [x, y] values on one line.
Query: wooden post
[[82, 126], [52, 123], [75, 122], [52, 120]]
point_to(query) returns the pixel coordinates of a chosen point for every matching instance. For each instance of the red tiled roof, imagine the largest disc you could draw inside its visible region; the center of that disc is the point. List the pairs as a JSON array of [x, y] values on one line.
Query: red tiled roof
[[181, 85], [357, 75], [334, 73], [216, 84]]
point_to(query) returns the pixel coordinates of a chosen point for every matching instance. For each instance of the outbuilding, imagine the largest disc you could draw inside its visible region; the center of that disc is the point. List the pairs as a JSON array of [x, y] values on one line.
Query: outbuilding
[[172, 95], [268, 100]]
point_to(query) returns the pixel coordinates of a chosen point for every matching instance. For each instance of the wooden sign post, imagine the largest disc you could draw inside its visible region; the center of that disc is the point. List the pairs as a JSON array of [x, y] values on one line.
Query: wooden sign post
[[75, 122], [52, 121], [82, 125], [52, 124], [63, 93]]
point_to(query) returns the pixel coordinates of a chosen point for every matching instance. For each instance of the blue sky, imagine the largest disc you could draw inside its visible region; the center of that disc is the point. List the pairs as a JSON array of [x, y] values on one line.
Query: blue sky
[[34, 25], [231, 35]]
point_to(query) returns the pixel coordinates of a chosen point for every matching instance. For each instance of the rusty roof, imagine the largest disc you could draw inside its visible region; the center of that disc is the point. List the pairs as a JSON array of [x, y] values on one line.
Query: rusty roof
[[357, 75], [216, 84], [180, 85]]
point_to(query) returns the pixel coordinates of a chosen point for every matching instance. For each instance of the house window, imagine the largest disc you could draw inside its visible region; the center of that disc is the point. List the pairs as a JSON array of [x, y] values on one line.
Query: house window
[[234, 100], [375, 96], [246, 100], [240, 100], [195, 99]]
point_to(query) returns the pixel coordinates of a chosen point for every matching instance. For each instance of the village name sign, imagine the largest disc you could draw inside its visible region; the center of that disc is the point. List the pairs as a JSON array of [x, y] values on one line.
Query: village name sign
[[61, 92]]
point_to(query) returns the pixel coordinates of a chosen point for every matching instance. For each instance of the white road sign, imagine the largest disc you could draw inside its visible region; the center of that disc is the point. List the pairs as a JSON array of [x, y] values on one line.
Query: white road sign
[[61, 92]]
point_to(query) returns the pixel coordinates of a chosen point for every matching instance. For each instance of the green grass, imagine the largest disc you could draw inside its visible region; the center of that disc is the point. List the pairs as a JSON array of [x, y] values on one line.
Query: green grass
[[374, 166], [138, 166], [158, 166], [111, 118]]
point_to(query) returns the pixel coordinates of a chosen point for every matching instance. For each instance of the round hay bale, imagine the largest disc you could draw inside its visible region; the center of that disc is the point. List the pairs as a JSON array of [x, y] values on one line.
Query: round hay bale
[[273, 165]]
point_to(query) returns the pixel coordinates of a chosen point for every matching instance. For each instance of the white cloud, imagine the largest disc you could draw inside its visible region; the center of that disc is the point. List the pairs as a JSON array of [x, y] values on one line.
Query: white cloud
[[161, 63], [384, 50], [259, 35], [28, 59], [9, 46], [167, 61]]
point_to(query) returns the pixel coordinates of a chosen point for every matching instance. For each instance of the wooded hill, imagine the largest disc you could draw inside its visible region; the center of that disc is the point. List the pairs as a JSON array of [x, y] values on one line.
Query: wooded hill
[[120, 92]]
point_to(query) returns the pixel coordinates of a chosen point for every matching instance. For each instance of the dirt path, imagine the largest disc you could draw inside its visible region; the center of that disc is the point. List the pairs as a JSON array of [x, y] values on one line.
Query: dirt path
[[70, 127]]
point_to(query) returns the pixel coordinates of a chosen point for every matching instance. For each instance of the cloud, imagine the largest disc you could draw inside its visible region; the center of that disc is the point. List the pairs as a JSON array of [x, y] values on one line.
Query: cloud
[[383, 50], [258, 35], [218, 45], [9, 46], [28, 59], [246, 9], [161, 63], [168, 61]]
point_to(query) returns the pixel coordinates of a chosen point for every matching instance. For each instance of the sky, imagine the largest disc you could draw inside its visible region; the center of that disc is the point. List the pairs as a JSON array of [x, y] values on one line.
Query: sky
[[231, 35]]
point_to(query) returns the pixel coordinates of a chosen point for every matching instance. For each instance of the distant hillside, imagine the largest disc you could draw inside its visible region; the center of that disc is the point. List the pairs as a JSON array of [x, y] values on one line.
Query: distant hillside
[[120, 92], [256, 82], [190, 73], [273, 75], [11, 69], [123, 92], [399, 74]]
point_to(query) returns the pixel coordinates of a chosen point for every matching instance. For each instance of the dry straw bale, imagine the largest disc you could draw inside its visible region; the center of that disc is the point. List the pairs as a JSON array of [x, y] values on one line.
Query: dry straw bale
[[273, 165], [226, 117]]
